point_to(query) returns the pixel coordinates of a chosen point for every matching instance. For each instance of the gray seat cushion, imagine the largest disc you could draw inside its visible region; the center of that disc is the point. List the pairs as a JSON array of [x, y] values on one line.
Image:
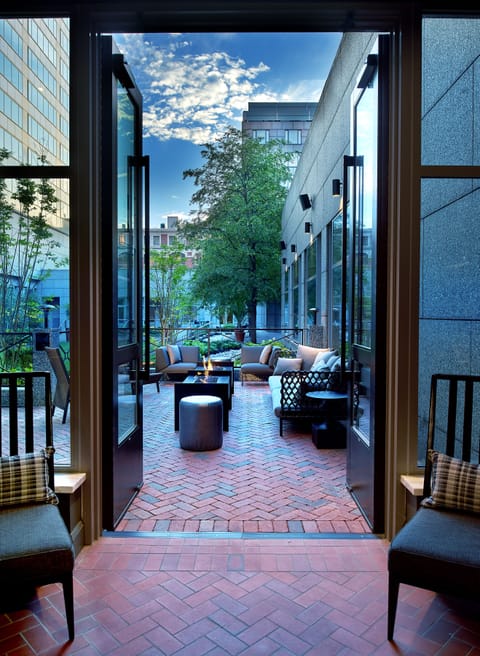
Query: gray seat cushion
[[34, 544], [431, 539]]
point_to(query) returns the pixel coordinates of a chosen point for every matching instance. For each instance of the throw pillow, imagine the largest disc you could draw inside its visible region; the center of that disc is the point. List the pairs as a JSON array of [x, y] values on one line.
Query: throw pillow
[[174, 354], [287, 364], [324, 355], [319, 365], [265, 354], [274, 355], [24, 479], [455, 484], [308, 355]]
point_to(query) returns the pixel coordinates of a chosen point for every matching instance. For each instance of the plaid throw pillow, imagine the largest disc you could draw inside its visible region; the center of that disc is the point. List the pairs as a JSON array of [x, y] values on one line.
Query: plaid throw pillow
[[455, 484], [24, 479]]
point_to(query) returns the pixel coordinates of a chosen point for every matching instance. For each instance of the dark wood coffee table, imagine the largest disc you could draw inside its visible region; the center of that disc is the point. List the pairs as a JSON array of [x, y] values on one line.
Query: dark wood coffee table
[[212, 386]]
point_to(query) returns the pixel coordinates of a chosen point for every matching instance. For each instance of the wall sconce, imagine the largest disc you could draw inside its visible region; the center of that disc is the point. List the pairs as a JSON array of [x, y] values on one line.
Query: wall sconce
[[336, 187], [305, 201], [293, 248], [308, 226], [315, 312], [283, 245]]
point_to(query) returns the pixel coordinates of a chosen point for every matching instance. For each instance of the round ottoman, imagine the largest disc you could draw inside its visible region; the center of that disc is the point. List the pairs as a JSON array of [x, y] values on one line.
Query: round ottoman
[[201, 423]]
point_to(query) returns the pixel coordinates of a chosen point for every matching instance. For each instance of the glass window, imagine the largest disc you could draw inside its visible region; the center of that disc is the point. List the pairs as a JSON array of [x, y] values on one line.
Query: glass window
[[336, 282], [261, 135], [34, 252], [293, 137]]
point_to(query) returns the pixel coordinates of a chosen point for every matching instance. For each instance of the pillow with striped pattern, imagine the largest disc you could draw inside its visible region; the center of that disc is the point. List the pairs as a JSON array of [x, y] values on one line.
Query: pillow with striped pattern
[[24, 480], [455, 484]]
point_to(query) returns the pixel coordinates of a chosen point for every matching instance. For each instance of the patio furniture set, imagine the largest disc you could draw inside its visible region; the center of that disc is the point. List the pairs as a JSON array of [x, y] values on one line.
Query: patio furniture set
[[308, 386]]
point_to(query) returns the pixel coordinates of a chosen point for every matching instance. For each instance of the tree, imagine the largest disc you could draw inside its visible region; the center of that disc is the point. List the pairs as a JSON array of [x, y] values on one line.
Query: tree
[[27, 251], [168, 295], [241, 192]]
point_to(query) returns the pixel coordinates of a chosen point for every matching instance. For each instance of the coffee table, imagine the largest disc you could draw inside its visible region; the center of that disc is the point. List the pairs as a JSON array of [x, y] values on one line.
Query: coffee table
[[203, 385]]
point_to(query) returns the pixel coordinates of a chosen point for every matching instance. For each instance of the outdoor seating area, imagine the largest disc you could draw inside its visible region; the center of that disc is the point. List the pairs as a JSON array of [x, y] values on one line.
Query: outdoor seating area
[[251, 484]]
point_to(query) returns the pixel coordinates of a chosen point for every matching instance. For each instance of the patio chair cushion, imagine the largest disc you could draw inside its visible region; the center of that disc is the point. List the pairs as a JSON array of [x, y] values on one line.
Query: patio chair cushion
[[35, 545], [455, 484], [287, 364], [24, 480], [174, 353], [308, 354], [265, 354]]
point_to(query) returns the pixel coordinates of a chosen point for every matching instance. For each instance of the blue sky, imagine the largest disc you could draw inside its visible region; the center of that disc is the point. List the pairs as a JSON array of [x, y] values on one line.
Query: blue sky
[[196, 85]]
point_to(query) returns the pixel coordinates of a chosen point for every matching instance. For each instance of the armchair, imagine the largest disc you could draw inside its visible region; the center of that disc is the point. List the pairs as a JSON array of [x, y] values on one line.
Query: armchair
[[36, 548], [61, 398], [438, 548]]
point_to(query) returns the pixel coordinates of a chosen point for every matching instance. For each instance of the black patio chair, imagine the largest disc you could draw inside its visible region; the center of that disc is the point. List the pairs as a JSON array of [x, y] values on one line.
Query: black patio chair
[[61, 397], [36, 548], [438, 549]]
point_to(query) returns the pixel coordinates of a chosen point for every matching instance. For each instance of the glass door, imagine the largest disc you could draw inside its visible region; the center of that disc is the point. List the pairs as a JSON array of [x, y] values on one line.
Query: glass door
[[366, 179], [123, 170]]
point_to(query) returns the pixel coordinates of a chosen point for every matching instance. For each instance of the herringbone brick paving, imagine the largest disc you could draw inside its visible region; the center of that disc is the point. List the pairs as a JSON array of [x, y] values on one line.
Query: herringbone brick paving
[[245, 593], [207, 596], [257, 482]]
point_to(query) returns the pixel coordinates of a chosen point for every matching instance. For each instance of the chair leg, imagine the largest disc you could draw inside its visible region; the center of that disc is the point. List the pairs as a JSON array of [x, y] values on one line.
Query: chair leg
[[393, 586], [69, 612]]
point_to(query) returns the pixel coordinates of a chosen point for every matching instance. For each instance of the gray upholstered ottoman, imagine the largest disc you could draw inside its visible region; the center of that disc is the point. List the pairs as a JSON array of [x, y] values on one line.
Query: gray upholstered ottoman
[[201, 423]]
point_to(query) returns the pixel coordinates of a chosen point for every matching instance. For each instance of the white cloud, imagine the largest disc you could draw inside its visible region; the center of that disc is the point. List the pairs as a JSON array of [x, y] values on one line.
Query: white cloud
[[190, 96]]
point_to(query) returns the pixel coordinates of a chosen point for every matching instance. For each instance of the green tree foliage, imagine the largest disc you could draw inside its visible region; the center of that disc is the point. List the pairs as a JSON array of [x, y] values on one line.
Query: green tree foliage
[[241, 192], [168, 290], [27, 251]]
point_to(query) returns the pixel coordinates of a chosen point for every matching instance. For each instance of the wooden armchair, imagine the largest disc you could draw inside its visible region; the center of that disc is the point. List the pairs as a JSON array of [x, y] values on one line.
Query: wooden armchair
[[61, 398], [439, 548], [36, 548]]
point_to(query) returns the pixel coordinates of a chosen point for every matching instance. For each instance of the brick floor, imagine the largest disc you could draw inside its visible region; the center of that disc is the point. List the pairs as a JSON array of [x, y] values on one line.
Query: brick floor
[[222, 596], [258, 482], [255, 549]]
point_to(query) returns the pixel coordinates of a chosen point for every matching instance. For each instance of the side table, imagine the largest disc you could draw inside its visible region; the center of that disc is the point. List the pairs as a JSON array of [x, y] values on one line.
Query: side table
[[331, 432]]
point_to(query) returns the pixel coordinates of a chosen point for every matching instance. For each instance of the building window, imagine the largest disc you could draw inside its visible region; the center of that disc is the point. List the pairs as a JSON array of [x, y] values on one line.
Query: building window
[[156, 240], [261, 135], [293, 137]]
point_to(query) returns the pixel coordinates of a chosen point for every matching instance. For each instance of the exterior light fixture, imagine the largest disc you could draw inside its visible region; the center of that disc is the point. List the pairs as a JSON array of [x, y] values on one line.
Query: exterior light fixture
[[315, 312], [308, 226], [293, 248], [283, 245], [336, 187], [305, 201]]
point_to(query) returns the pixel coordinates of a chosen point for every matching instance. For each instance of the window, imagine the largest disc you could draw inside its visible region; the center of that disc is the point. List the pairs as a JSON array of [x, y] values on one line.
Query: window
[[293, 137], [261, 135]]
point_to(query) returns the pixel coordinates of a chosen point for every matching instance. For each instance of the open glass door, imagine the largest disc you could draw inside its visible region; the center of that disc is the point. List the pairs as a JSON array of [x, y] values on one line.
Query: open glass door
[[365, 181], [123, 170]]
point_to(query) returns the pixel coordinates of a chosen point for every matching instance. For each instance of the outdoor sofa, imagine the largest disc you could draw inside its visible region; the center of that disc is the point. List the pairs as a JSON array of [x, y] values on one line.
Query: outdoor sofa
[[258, 361], [312, 369], [176, 361]]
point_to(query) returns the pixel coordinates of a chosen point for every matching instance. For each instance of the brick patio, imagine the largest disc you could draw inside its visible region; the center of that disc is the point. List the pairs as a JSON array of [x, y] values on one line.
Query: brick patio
[[258, 482]]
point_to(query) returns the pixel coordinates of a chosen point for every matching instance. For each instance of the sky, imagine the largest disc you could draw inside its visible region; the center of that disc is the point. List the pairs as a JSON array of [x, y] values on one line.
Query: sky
[[194, 86]]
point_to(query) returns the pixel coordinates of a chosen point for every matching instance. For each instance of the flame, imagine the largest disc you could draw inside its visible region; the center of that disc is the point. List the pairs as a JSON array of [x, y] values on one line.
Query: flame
[[208, 367]]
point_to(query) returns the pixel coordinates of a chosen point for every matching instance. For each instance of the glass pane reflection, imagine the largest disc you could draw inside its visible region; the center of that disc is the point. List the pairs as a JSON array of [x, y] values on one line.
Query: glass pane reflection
[[127, 409]]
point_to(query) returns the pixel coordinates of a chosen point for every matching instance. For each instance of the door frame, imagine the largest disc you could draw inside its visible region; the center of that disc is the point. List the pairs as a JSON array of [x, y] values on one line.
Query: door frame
[[122, 460], [366, 463]]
